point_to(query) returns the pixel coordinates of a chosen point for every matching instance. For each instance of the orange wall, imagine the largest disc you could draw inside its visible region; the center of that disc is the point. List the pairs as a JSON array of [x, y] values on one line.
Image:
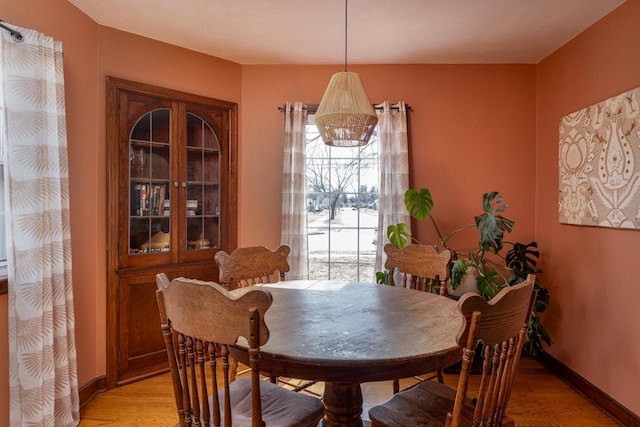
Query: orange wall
[[592, 273], [472, 130]]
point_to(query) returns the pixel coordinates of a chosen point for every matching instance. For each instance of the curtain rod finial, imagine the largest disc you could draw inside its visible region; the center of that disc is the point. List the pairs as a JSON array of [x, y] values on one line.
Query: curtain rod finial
[[17, 36]]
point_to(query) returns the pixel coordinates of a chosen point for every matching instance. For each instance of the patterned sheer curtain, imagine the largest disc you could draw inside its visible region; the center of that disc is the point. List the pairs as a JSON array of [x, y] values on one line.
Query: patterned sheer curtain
[[294, 195], [394, 172], [42, 354]]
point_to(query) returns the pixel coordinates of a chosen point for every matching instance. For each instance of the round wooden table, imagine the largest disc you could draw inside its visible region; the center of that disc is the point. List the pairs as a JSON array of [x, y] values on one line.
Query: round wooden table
[[347, 333]]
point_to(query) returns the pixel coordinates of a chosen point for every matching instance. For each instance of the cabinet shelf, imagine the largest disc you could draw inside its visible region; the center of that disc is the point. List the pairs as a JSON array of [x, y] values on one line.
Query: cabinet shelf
[[149, 180], [213, 184], [204, 149], [144, 143]]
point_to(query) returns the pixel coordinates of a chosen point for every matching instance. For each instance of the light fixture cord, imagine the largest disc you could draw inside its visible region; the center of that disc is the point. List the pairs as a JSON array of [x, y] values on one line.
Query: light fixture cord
[[345, 35]]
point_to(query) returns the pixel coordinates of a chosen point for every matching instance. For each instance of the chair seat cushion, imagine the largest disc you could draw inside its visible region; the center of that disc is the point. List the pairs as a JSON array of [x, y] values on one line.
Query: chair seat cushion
[[425, 404], [280, 407]]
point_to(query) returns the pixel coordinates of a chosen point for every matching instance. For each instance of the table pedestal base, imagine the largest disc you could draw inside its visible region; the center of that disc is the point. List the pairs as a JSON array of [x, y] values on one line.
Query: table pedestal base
[[343, 405]]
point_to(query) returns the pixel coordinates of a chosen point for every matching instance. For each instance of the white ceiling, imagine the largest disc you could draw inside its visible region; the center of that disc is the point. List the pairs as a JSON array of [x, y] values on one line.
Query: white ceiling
[[379, 31]]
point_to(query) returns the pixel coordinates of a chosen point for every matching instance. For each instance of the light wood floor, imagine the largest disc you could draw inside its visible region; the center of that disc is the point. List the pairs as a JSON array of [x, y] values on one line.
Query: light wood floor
[[538, 399]]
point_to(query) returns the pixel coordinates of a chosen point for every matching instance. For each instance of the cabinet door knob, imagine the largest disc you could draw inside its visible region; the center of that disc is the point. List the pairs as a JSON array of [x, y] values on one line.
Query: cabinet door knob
[[184, 185], [175, 184]]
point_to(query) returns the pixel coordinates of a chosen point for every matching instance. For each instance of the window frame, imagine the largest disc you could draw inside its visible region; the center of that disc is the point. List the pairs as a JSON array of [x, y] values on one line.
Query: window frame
[[326, 266]]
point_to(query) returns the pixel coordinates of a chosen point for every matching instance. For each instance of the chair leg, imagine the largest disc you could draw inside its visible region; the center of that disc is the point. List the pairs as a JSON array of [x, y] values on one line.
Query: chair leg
[[301, 385], [304, 386], [233, 369], [438, 374], [507, 421]]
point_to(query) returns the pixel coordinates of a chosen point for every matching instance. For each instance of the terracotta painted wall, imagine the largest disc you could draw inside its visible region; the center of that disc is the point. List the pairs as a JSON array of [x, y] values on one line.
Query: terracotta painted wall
[[472, 130], [592, 273]]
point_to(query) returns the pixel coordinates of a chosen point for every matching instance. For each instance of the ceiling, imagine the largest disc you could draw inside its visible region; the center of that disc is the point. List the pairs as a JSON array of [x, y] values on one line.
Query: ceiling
[[379, 31]]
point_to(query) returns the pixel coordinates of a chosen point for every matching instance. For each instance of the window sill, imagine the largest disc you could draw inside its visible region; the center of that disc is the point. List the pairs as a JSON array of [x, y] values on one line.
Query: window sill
[[3, 285]]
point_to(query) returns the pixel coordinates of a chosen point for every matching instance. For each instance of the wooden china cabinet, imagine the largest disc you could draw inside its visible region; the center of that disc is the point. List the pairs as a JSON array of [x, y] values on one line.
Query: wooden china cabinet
[[171, 184]]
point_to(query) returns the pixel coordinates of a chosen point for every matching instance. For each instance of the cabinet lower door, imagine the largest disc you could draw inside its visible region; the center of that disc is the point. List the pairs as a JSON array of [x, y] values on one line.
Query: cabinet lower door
[[141, 349]]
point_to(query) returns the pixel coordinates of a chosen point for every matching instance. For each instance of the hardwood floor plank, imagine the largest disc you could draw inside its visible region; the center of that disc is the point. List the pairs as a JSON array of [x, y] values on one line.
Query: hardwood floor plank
[[539, 399]]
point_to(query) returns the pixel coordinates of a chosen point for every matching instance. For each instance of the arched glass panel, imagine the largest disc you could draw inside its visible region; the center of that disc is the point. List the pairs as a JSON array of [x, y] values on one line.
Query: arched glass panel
[[203, 185], [149, 174]]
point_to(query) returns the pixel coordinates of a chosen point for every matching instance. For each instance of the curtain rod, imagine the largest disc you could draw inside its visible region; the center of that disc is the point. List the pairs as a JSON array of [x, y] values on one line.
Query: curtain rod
[[15, 34], [315, 107]]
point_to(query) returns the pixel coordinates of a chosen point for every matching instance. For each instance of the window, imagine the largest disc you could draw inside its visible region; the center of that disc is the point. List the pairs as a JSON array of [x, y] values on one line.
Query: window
[[342, 208]]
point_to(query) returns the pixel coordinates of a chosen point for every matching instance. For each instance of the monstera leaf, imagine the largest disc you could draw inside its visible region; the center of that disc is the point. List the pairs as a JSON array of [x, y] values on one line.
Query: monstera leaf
[[489, 283], [398, 235], [522, 260], [492, 226], [419, 203], [458, 271]]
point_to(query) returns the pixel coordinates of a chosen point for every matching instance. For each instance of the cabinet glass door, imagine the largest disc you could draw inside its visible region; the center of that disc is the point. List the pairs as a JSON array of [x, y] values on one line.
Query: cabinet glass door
[[203, 185], [171, 205], [149, 179]]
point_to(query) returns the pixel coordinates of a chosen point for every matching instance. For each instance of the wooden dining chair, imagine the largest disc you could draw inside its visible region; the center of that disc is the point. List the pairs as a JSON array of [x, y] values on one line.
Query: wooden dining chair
[[249, 266], [420, 267], [252, 265], [423, 268], [205, 320], [501, 326]]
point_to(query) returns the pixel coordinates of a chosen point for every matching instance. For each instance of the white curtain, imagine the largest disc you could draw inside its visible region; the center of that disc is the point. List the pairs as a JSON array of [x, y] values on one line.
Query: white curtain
[[394, 172], [294, 197], [42, 353]]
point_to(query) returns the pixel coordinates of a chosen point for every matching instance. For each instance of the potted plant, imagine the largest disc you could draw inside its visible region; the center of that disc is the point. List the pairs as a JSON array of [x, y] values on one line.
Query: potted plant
[[491, 226], [491, 270], [522, 260]]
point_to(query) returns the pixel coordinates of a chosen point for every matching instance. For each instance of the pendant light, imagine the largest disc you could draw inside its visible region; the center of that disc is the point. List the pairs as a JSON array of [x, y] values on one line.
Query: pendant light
[[345, 116]]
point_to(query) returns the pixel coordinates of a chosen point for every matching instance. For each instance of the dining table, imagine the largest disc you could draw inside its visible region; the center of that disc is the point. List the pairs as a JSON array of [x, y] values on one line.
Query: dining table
[[347, 333]]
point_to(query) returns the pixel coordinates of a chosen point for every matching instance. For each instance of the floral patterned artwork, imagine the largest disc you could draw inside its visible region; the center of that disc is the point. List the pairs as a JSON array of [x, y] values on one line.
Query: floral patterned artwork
[[598, 159]]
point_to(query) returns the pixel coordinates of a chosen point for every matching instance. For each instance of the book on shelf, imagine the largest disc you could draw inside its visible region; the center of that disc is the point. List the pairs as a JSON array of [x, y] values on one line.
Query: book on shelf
[[144, 210], [159, 207], [149, 200], [135, 200]]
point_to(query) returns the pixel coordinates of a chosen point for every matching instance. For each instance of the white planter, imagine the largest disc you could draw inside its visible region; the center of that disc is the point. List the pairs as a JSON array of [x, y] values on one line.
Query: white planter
[[468, 284], [398, 277]]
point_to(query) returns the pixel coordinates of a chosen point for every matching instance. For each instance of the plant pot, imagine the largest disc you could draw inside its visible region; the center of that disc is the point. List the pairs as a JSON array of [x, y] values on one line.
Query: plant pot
[[398, 277], [468, 284]]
